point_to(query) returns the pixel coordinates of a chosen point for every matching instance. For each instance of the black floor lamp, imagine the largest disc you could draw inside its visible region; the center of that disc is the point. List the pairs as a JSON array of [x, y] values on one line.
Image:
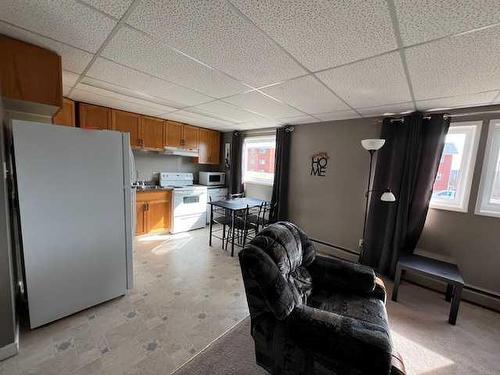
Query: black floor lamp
[[372, 146]]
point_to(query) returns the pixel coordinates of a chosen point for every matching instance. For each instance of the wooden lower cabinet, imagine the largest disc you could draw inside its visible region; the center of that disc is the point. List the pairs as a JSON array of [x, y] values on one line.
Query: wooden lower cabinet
[[153, 211]]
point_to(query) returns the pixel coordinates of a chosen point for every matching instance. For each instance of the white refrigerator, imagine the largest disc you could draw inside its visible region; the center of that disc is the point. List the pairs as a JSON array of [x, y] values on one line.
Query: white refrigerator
[[75, 208]]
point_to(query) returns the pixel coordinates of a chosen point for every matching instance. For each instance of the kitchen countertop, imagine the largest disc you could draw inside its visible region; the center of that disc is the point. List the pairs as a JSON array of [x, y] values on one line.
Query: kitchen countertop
[[152, 188]]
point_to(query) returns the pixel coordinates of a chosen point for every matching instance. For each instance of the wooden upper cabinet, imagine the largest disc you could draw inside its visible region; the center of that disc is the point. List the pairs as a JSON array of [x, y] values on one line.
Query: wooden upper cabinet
[[190, 137], [204, 146], [152, 130], [209, 147], [173, 134], [30, 75], [94, 116], [214, 147], [66, 115], [127, 122]]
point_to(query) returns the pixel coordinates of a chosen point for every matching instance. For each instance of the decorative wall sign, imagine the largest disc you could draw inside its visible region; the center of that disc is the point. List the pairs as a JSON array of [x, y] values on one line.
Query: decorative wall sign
[[319, 161]]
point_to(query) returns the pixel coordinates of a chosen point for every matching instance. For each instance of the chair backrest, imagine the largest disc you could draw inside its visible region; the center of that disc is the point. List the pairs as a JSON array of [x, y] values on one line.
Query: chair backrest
[[274, 270]]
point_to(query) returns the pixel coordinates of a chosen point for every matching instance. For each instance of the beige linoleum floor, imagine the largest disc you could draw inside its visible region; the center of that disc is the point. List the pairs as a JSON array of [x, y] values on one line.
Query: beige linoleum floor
[[186, 295]]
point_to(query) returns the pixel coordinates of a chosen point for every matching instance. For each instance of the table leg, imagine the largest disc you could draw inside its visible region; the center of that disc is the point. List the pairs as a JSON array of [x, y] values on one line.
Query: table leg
[[233, 218], [449, 292], [211, 224], [397, 281], [455, 303], [223, 234]]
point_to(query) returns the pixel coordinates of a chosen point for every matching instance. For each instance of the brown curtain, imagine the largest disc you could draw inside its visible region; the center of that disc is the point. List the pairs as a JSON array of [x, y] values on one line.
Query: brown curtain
[[235, 184], [279, 200], [407, 164]]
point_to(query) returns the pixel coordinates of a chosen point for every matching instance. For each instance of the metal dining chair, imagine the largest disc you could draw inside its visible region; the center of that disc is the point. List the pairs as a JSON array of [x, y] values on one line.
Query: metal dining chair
[[221, 216]]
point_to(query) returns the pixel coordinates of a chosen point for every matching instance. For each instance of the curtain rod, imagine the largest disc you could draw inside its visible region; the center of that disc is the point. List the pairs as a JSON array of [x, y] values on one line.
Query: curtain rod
[[427, 115]]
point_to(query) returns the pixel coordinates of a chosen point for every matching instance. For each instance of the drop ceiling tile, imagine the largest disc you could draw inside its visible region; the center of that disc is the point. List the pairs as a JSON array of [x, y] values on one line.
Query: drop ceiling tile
[[215, 33], [424, 20], [127, 103], [136, 50], [373, 82], [337, 115], [386, 109], [227, 112], [462, 101], [457, 65], [304, 119], [69, 78], [254, 126], [197, 119], [323, 34], [115, 8], [262, 104], [65, 21], [66, 90], [73, 59], [307, 94], [142, 84]]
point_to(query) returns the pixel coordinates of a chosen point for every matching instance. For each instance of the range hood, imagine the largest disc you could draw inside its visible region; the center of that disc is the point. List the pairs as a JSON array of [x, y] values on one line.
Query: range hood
[[191, 153]]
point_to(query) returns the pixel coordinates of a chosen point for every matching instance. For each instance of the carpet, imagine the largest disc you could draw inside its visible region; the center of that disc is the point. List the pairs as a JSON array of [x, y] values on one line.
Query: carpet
[[232, 353]]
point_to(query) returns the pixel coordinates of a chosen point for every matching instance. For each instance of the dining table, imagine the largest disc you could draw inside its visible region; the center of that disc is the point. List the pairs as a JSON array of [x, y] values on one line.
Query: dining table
[[233, 205]]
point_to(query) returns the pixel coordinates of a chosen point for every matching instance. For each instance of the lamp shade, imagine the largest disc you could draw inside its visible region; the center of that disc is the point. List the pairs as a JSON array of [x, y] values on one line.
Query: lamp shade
[[372, 144], [388, 196]]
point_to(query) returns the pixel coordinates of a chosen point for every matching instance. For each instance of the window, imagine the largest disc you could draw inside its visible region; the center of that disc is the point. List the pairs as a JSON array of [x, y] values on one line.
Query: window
[[454, 177], [488, 200], [258, 159]]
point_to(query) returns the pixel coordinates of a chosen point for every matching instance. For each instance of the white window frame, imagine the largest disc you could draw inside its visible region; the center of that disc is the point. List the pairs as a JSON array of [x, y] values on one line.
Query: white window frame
[[461, 201], [483, 207], [255, 181]]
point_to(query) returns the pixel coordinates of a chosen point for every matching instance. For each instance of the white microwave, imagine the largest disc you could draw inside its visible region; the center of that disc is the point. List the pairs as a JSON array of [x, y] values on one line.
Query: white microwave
[[212, 178]]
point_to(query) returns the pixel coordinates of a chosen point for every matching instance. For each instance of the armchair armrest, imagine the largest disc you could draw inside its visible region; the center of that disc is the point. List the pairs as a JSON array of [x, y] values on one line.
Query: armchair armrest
[[345, 341], [338, 274]]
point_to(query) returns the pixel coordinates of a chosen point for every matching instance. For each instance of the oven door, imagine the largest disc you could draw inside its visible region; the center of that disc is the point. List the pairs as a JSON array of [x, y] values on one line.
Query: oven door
[[189, 202]]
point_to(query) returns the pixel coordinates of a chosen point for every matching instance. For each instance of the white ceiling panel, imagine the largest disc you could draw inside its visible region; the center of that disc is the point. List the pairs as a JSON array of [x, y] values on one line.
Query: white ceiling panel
[[338, 115], [198, 119], [262, 104], [66, 90], [294, 120], [386, 109], [307, 94], [145, 85], [483, 98], [424, 20], [214, 33], [227, 112], [65, 21], [457, 65], [135, 49], [323, 34], [128, 103], [73, 59], [374, 82], [115, 8], [69, 78]]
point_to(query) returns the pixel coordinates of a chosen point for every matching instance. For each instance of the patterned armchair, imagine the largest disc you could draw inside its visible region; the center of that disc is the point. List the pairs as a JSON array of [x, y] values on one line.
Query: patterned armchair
[[310, 314]]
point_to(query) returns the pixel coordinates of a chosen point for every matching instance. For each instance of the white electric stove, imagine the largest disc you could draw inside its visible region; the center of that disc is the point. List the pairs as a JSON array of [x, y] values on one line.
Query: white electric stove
[[189, 201]]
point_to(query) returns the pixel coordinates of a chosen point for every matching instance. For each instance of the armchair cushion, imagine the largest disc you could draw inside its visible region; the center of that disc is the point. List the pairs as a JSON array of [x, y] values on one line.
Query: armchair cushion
[[356, 346], [342, 275]]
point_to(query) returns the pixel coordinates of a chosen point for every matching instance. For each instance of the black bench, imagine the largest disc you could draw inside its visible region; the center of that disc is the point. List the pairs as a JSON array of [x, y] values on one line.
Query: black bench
[[436, 269]]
